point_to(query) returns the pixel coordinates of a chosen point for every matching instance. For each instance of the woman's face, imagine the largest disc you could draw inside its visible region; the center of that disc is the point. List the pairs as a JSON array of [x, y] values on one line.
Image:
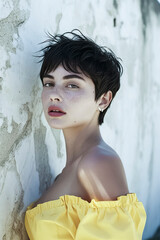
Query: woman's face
[[74, 94]]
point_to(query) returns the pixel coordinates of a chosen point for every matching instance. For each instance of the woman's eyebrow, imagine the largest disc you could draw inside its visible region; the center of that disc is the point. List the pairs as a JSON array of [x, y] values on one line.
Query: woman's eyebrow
[[73, 76], [65, 77], [48, 76]]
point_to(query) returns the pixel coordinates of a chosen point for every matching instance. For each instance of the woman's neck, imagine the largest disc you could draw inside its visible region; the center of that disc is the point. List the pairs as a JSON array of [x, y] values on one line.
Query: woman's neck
[[79, 140]]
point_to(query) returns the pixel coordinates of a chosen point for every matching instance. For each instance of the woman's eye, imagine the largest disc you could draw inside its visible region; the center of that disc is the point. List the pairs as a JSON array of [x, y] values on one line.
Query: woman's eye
[[72, 86], [47, 84], [52, 85]]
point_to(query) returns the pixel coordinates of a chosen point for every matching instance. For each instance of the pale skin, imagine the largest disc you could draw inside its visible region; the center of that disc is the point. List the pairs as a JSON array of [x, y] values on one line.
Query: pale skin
[[93, 169]]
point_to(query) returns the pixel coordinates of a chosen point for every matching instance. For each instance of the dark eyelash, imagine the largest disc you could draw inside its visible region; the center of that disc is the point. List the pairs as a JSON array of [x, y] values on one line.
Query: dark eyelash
[[51, 84], [48, 83], [75, 86]]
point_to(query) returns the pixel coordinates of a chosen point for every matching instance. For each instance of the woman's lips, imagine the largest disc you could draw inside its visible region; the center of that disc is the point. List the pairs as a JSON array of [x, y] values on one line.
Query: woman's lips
[[55, 111], [56, 114]]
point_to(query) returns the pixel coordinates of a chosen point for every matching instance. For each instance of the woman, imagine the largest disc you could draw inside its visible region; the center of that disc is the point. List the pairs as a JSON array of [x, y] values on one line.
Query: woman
[[89, 199]]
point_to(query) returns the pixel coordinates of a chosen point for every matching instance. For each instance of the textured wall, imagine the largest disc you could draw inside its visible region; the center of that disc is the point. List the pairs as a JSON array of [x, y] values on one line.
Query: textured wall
[[31, 153]]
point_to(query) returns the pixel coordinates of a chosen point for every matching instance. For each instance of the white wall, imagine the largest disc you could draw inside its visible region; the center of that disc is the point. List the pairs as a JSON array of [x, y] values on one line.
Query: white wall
[[31, 153]]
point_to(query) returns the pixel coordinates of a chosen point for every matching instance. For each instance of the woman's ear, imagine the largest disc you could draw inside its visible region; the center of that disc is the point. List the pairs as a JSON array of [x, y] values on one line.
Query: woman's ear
[[105, 100]]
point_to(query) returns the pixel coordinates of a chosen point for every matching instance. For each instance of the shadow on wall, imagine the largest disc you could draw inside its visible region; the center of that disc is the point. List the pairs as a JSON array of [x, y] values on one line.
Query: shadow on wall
[[156, 236]]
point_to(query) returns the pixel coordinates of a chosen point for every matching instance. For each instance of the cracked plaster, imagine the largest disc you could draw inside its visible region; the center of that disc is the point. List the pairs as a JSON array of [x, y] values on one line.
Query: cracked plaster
[[28, 160]]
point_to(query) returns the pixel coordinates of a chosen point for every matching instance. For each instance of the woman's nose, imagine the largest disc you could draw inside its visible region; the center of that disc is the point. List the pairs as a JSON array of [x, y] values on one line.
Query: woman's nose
[[54, 99], [55, 96]]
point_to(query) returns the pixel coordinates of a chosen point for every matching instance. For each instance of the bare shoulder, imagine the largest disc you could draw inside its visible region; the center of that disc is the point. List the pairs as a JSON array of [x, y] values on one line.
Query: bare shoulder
[[102, 174]]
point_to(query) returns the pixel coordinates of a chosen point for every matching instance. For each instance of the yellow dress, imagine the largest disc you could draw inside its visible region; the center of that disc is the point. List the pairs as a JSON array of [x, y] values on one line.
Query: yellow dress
[[71, 217]]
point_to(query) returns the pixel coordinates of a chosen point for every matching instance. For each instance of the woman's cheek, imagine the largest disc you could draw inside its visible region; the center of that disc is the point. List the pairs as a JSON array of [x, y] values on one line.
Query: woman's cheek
[[74, 96]]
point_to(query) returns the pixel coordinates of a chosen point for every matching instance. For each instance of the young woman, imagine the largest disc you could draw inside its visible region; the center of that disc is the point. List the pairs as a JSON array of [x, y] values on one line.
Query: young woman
[[90, 198]]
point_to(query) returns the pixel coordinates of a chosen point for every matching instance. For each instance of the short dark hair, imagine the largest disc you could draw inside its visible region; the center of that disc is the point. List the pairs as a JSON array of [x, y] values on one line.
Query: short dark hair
[[81, 53]]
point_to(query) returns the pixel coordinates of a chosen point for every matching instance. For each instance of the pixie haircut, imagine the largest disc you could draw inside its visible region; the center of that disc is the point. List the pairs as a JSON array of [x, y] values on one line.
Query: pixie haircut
[[80, 54]]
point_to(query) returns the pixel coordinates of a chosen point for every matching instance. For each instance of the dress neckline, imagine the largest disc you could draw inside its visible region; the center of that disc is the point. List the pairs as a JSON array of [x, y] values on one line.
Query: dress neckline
[[78, 201]]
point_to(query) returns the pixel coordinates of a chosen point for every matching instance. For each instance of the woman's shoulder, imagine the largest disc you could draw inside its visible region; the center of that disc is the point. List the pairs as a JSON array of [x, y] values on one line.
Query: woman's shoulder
[[102, 174], [100, 155]]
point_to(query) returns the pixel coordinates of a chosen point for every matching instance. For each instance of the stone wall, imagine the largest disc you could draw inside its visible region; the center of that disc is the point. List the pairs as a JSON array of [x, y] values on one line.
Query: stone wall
[[32, 154]]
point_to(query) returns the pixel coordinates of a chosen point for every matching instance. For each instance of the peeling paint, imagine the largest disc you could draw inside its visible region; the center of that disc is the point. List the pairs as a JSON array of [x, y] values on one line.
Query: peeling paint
[[145, 14], [8, 64], [12, 22], [6, 7], [129, 28], [18, 229], [115, 4], [41, 159], [16, 202], [58, 19], [56, 134], [1, 79], [156, 7], [9, 144]]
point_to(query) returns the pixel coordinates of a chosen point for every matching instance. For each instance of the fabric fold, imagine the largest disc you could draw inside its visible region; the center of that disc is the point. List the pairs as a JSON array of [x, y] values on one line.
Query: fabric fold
[[71, 217]]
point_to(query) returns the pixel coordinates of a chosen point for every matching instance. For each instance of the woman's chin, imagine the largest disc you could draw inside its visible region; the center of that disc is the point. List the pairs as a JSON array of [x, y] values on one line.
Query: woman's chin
[[55, 126]]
